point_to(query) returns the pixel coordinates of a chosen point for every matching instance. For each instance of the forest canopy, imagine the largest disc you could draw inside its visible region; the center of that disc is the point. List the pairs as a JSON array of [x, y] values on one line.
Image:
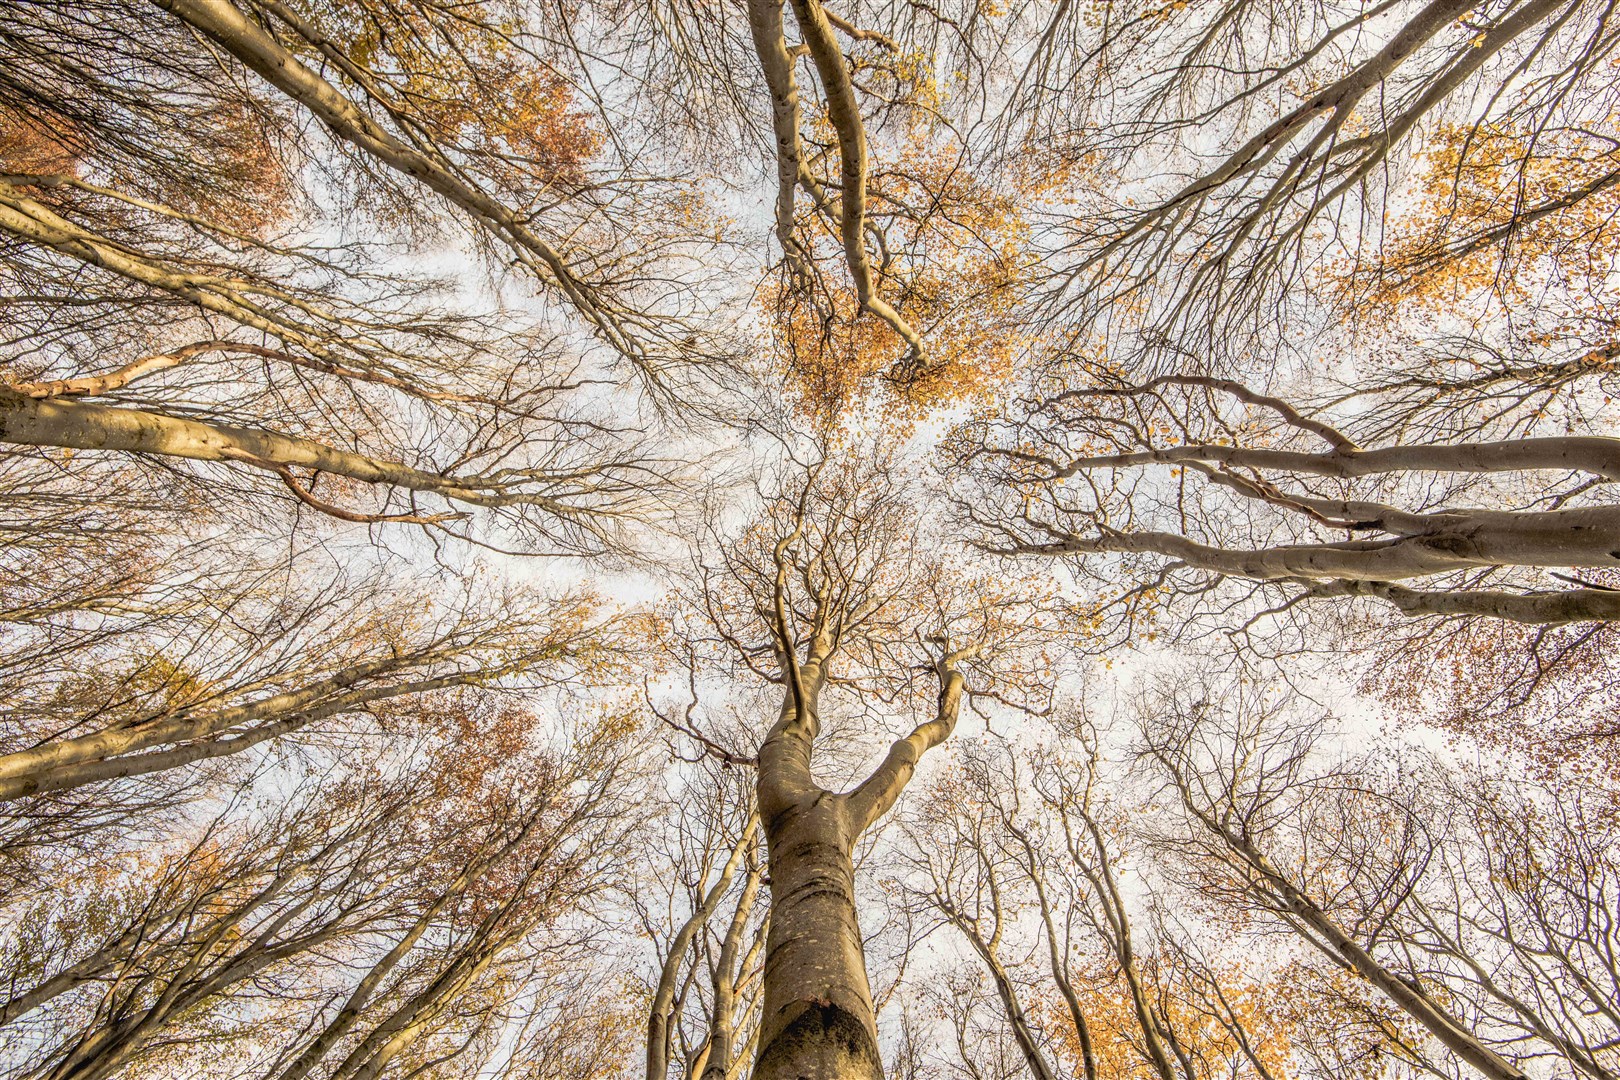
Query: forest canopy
[[942, 540]]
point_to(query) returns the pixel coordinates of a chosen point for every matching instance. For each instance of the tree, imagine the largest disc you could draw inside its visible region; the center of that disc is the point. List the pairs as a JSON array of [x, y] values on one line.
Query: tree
[[1407, 878], [1066, 480], [288, 667], [704, 1002], [1101, 966], [219, 320], [829, 588], [343, 926], [1240, 140], [1460, 432]]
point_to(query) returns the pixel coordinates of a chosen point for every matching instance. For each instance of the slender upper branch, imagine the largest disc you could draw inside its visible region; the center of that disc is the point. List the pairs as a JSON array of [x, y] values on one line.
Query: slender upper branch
[[877, 793], [843, 111]]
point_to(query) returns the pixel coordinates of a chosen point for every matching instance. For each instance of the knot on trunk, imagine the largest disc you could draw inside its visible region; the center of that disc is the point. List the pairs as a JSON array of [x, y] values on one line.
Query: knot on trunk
[[823, 1042]]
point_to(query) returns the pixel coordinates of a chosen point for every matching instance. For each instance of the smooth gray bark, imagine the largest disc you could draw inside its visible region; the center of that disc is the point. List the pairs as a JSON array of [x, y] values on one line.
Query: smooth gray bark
[[818, 1021]]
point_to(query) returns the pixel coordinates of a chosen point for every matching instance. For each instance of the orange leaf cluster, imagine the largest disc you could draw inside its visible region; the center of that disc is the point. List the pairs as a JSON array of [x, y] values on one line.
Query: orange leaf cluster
[[949, 255], [1502, 213], [477, 91]]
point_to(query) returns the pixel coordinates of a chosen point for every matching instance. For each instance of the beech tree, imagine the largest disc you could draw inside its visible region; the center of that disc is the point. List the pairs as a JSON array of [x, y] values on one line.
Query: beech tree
[[831, 587], [1455, 519], [160, 713], [195, 299], [1450, 459], [1234, 144], [307, 929], [1099, 967], [1411, 882], [704, 998], [206, 290]]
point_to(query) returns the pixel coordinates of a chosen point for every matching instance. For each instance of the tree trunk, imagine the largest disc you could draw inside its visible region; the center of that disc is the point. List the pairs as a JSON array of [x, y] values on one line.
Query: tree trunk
[[664, 996], [818, 1022]]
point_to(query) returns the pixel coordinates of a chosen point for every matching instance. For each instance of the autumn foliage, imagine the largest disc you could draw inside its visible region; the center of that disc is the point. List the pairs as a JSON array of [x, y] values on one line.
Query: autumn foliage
[[809, 541]]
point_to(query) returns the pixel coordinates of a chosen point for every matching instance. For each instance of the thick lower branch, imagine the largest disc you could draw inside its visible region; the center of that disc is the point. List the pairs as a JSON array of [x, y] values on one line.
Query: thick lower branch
[[878, 792], [110, 755], [1460, 540], [80, 425], [263, 54], [1538, 609], [1594, 454]]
